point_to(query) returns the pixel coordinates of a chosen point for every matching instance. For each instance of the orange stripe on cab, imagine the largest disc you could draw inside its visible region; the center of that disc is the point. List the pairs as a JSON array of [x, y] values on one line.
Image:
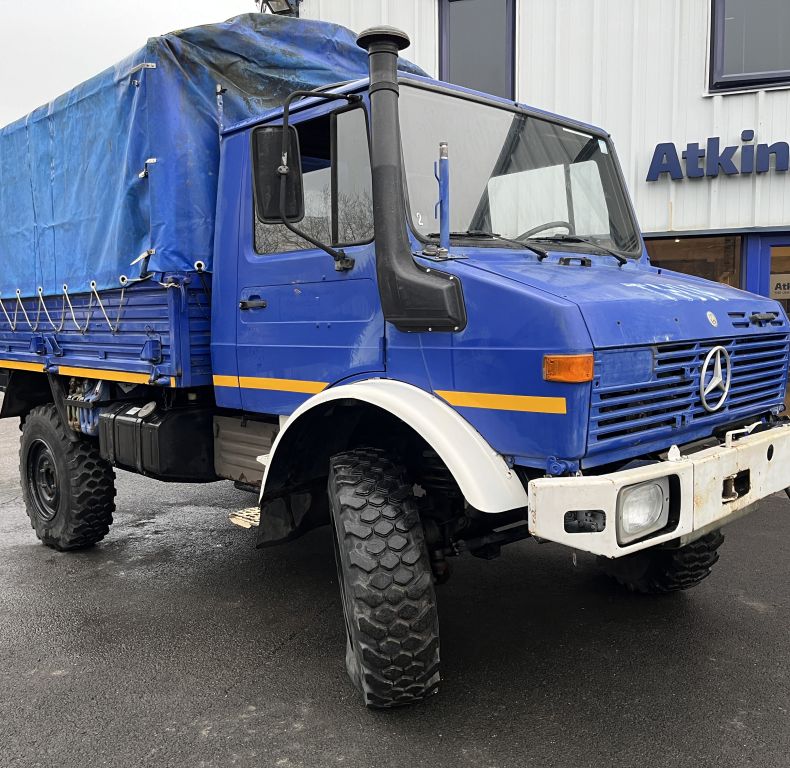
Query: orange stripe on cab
[[523, 403]]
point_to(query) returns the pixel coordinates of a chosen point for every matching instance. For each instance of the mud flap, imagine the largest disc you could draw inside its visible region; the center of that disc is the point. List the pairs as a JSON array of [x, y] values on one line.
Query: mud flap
[[289, 516]]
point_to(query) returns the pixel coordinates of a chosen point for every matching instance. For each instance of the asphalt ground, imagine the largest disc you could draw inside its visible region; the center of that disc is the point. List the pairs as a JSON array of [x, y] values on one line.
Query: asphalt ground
[[176, 643]]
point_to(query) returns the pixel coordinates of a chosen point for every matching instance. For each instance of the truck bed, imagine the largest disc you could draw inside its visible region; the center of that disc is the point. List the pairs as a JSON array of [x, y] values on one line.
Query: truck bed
[[149, 332]]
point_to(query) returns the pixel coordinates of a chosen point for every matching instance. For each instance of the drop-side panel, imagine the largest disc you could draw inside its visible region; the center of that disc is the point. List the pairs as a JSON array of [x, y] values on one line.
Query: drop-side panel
[[152, 332]]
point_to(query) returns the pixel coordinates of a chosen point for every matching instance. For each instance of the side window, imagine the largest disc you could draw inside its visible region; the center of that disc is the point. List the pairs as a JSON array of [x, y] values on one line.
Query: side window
[[354, 182], [337, 186]]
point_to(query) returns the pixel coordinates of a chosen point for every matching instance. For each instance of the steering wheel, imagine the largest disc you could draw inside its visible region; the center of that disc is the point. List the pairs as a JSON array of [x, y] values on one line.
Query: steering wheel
[[542, 227]]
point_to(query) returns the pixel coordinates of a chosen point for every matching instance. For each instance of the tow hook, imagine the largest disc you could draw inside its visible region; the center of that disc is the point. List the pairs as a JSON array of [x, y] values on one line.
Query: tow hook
[[728, 492]]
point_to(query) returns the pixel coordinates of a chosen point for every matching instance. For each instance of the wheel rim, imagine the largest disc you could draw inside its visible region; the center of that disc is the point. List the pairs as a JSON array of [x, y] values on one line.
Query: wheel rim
[[43, 480]]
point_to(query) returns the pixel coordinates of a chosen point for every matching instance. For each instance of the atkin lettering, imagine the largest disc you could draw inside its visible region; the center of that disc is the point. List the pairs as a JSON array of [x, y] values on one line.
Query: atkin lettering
[[712, 159]]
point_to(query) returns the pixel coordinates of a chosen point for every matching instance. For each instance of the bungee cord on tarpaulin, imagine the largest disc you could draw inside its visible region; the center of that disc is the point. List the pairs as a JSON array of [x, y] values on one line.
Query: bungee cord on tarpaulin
[[94, 301], [43, 313]]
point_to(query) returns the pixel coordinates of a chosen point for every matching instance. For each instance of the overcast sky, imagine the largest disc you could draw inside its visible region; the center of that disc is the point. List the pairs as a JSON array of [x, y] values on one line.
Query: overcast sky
[[48, 46]]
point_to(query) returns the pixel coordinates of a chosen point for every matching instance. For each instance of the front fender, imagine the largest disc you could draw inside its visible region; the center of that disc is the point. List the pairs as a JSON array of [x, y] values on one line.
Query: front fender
[[483, 476]]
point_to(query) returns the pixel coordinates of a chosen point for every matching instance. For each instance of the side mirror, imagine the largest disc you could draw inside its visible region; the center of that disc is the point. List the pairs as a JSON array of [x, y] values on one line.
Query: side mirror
[[267, 145]]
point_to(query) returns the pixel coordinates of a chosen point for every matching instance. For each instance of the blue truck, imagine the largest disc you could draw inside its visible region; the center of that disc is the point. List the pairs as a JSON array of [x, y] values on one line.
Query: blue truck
[[269, 252]]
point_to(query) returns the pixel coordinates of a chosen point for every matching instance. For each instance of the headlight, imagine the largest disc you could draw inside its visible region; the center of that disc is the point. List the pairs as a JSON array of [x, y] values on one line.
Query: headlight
[[642, 509]]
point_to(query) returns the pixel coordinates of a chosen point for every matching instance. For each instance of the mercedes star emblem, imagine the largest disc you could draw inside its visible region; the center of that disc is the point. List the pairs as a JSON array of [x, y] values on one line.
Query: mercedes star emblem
[[715, 379]]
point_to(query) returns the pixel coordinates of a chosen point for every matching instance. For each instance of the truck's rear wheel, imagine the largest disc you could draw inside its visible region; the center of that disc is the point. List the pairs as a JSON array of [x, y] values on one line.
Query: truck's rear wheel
[[658, 571], [389, 602], [68, 489]]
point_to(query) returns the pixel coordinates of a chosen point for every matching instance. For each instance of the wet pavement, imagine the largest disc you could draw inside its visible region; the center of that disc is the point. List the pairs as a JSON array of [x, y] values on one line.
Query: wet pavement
[[176, 643]]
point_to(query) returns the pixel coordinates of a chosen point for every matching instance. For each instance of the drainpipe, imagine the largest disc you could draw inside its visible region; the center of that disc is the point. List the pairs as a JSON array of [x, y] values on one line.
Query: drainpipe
[[413, 298]]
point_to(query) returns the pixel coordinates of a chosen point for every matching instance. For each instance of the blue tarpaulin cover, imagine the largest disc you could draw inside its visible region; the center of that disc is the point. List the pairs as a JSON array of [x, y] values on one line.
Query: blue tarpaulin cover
[[74, 207]]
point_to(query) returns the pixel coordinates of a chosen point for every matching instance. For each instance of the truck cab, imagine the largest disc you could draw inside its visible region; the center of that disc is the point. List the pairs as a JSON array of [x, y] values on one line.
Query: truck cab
[[434, 326]]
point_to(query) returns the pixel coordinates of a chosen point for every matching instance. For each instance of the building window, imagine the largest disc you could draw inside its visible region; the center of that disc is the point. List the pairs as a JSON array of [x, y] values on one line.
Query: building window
[[338, 198], [749, 47], [714, 258], [477, 45]]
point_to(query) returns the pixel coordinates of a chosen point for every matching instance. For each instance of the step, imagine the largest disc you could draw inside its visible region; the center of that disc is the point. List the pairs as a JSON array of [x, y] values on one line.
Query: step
[[246, 518]]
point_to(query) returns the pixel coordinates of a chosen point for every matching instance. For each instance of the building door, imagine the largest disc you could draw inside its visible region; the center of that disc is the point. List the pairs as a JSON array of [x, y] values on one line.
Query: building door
[[779, 255], [780, 274], [765, 256]]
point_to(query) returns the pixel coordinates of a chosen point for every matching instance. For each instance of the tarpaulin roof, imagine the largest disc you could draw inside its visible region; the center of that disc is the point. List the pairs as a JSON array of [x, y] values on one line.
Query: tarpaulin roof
[[76, 202]]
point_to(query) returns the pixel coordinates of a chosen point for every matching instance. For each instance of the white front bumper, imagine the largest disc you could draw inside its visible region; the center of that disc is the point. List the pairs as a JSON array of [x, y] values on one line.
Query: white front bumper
[[699, 488]]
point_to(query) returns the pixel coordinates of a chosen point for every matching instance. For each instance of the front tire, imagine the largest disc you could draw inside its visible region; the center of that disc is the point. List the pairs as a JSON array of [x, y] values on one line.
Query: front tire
[[659, 571], [389, 602], [67, 488]]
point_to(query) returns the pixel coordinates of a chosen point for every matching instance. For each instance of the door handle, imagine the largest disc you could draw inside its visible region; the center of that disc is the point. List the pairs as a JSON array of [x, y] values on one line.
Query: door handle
[[253, 302]]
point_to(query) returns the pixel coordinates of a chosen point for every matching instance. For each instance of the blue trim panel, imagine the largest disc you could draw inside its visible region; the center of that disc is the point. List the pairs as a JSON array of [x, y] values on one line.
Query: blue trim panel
[[757, 260]]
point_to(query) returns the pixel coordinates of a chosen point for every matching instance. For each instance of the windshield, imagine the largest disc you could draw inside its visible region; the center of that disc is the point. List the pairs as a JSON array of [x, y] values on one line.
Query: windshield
[[511, 174]]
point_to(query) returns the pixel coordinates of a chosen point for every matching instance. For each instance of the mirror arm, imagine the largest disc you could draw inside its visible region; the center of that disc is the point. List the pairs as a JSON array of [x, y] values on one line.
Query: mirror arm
[[342, 262]]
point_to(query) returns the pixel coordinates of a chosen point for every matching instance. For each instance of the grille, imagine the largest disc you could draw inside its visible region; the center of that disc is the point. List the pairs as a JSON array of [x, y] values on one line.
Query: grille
[[668, 399]]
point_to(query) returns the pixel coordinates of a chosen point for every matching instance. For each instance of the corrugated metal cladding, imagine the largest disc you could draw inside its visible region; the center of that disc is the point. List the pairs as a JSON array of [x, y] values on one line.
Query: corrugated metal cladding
[[637, 68], [418, 18]]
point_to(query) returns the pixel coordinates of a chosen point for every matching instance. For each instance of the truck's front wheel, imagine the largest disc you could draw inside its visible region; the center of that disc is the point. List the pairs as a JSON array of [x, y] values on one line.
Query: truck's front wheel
[[658, 571], [389, 602], [67, 488]]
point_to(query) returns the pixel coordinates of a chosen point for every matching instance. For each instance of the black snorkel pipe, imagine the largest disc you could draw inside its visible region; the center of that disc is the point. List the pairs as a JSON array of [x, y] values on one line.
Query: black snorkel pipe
[[413, 298]]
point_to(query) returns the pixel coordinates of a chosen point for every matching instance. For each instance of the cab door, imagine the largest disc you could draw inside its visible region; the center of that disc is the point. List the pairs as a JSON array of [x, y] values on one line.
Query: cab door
[[301, 324]]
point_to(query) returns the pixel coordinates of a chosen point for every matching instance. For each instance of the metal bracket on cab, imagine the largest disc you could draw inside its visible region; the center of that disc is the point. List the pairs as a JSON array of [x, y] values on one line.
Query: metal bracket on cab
[[343, 263]]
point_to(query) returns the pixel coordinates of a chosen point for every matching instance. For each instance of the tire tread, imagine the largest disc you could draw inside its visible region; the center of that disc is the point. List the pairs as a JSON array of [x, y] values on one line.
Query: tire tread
[[662, 571], [389, 587], [91, 487]]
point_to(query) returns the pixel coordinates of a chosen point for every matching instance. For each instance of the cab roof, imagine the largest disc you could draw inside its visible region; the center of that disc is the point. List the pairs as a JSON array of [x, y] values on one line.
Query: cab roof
[[360, 85]]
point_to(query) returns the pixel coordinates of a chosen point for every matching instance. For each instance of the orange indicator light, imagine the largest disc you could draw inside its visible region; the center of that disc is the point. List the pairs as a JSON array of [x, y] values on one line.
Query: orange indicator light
[[572, 369]]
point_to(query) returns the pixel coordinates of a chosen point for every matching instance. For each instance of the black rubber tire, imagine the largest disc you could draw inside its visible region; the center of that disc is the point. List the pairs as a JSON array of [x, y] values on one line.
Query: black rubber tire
[[389, 602], [659, 571], [82, 485]]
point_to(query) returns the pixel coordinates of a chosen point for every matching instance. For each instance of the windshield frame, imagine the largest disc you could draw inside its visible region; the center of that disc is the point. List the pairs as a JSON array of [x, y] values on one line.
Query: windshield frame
[[549, 117]]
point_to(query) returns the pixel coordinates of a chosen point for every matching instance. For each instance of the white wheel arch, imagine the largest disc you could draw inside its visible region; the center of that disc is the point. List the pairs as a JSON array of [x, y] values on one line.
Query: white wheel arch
[[483, 476]]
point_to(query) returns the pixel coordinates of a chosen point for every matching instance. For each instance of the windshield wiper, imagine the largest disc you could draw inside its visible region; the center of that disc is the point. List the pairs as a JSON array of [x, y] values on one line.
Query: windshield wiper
[[587, 241], [480, 233]]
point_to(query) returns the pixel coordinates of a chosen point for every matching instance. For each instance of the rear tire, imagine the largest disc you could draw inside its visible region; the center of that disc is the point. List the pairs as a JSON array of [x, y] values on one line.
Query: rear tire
[[389, 602], [68, 489], [659, 571]]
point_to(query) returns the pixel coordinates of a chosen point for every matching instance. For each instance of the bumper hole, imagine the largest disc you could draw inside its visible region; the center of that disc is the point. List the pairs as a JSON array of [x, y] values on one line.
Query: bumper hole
[[585, 521], [770, 452]]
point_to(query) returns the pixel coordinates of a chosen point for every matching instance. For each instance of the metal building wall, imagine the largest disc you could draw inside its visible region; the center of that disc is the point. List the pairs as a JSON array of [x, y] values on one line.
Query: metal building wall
[[418, 18], [639, 70]]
